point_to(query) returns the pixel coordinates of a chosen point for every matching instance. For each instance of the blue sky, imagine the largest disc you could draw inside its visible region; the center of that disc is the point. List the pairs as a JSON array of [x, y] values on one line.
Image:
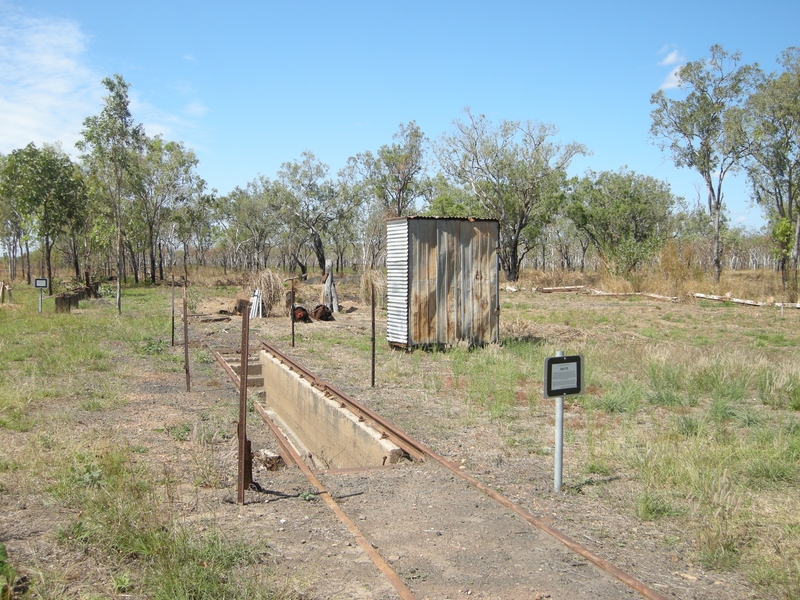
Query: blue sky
[[250, 85]]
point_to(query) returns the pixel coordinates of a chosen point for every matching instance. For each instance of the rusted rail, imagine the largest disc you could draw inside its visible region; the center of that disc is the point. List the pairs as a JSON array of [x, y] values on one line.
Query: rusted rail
[[293, 457], [377, 422], [421, 451]]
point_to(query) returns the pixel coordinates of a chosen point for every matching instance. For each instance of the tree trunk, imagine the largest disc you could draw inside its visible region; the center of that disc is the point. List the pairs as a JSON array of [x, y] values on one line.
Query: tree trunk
[[319, 250], [120, 267], [28, 260], [47, 247], [717, 245], [75, 261], [331, 298], [185, 262], [134, 262], [152, 249]]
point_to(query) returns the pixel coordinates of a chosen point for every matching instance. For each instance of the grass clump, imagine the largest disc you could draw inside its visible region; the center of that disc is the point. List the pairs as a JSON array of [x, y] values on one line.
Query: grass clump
[[123, 517], [621, 398], [720, 540], [650, 505]]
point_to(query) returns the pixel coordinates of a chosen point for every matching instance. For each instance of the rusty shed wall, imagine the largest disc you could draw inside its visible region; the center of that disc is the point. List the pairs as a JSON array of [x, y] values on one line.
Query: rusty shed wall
[[451, 281]]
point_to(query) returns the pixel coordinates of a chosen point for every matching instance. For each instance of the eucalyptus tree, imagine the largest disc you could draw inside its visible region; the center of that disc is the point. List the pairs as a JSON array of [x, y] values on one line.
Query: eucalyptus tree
[[513, 170], [396, 174], [625, 215], [13, 227], [110, 147], [774, 166], [447, 199], [253, 221], [343, 231], [312, 202], [705, 130], [48, 190], [164, 174]]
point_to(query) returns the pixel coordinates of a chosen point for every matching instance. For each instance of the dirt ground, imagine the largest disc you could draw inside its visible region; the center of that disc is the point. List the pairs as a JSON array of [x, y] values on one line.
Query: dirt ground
[[442, 537]]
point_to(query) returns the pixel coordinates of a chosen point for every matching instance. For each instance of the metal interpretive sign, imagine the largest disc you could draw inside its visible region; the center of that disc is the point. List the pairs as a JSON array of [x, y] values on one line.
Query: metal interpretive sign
[[40, 283], [563, 376]]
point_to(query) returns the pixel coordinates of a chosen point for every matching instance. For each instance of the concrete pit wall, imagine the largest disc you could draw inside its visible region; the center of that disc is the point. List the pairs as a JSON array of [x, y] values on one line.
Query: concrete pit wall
[[316, 424]]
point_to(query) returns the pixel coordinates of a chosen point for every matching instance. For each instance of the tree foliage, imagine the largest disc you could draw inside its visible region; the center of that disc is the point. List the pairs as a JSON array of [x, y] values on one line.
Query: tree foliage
[[110, 147], [625, 215], [163, 177], [705, 130], [46, 189], [513, 169], [774, 152], [396, 175]]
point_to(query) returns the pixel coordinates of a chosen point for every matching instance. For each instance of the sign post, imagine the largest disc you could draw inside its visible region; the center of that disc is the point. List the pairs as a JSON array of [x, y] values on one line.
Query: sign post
[[40, 283], [563, 376]]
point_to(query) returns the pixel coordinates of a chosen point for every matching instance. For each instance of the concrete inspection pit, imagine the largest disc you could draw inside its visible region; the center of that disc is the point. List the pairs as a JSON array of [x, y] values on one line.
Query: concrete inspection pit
[[325, 430]]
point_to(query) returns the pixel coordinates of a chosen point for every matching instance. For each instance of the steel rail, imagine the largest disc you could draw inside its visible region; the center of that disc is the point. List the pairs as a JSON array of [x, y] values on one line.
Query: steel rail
[[380, 424], [283, 446], [419, 448], [386, 570]]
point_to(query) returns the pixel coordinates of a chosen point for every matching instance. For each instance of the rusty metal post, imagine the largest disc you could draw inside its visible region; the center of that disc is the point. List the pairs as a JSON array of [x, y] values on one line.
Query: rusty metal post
[[186, 340], [372, 286], [173, 310], [242, 427], [292, 313]]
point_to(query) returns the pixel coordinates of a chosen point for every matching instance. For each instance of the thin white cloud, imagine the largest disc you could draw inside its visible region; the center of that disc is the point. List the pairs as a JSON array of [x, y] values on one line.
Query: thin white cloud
[[672, 80], [47, 87], [190, 58], [672, 58], [195, 108]]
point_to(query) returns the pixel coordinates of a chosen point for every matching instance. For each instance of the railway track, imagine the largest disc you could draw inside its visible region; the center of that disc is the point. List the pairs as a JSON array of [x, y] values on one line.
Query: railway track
[[232, 361]]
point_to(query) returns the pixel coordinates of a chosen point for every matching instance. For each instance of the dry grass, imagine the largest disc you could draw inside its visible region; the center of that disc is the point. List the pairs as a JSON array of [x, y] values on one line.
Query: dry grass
[[695, 404], [369, 279], [273, 291]]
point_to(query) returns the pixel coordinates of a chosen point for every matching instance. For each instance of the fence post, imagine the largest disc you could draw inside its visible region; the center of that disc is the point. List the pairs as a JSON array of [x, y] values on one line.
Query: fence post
[[173, 310], [244, 454], [372, 287], [292, 312], [186, 339]]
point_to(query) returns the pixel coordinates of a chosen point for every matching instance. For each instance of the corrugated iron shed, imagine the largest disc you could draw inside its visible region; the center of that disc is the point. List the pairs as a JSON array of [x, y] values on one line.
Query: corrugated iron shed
[[442, 282]]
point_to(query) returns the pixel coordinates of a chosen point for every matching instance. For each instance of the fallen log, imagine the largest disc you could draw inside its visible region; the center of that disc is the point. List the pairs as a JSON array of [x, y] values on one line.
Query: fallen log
[[564, 288], [730, 299], [663, 298], [787, 304], [597, 292]]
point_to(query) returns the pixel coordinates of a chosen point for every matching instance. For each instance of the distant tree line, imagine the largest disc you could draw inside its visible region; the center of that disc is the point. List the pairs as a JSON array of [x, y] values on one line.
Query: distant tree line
[[135, 206]]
